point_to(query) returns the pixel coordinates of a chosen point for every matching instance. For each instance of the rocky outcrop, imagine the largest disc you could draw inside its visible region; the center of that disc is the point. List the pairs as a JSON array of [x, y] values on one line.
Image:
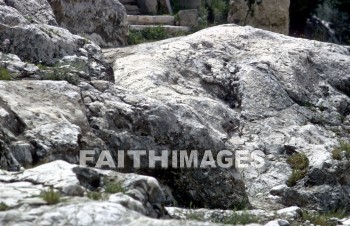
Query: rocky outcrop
[[22, 194], [223, 88], [237, 88], [272, 15], [35, 11], [50, 45], [104, 22]]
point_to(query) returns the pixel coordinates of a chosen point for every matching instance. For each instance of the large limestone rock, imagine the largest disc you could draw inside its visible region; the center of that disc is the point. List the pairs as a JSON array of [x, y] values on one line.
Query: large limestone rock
[[103, 22], [50, 119], [272, 15], [238, 88], [46, 44], [35, 11], [20, 192]]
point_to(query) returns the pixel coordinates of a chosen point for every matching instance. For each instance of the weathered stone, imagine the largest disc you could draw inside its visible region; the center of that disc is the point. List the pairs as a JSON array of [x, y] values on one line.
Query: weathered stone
[[35, 11], [251, 81], [148, 7], [45, 44], [104, 22], [270, 15], [188, 17]]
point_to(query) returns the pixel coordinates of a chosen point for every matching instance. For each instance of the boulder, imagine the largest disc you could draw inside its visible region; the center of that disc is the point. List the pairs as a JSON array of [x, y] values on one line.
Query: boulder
[[104, 22], [35, 11], [188, 17], [272, 15], [148, 7], [235, 88], [46, 44]]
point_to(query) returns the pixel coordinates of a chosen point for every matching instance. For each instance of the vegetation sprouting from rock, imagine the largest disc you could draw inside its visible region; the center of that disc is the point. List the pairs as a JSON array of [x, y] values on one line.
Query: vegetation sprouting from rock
[[51, 196], [299, 164]]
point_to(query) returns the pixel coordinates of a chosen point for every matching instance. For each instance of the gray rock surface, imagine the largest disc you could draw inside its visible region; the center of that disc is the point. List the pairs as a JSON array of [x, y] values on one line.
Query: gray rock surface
[[103, 22], [21, 193], [270, 15], [241, 89], [45, 44], [223, 88], [35, 11], [148, 7]]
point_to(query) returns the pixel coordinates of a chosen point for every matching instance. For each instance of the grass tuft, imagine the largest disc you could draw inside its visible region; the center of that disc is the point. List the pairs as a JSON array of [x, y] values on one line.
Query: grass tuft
[[113, 187], [299, 163], [51, 196], [3, 206], [5, 74], [344, 147]]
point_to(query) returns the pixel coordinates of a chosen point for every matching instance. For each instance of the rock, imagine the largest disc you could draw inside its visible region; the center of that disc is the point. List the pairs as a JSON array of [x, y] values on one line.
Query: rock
[[104, 22], [148, 7], [277, 223], [188, 17], [45, 44], [248, 90], [21, 193], [290, 212], [267, 14], [35, 11], [52, 129]]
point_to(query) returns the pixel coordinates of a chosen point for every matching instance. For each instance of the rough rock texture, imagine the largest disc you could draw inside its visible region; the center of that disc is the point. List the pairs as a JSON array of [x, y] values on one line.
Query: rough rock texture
[[272, 15], [103, 22], [223, 88], [35, 11], [50, 119], [21, 193], [237, 88], [45, 44], [148, 7]]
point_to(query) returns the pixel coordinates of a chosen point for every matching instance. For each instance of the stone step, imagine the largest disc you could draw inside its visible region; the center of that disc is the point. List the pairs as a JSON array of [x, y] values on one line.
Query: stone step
[[132, 9], [128, 2], [150, 20], [168, 28]]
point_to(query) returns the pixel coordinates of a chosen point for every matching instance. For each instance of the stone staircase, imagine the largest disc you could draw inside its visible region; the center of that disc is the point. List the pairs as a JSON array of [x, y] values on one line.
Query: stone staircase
[[140, 22], [131, 7]]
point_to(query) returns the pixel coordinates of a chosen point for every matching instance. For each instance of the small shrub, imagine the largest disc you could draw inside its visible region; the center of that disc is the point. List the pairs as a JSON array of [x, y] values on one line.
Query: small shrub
[[113, 187], [150, 34], [3, 206], [96, 195], [295, 177], [299, 163], [239, 218], [62, 74], [322, 219], [51, 196], [344, 147], [4, 74]]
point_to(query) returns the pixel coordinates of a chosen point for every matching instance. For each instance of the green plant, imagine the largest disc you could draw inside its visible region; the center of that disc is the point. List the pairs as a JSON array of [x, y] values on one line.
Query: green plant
[[151, 34], [219, 10], [323, 219], [112, 187], [4, 74], [295, 177], [96, 195], [240, 218], [344, 147], [299, 163], [3, 206], [62, 74], [51, 196]]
